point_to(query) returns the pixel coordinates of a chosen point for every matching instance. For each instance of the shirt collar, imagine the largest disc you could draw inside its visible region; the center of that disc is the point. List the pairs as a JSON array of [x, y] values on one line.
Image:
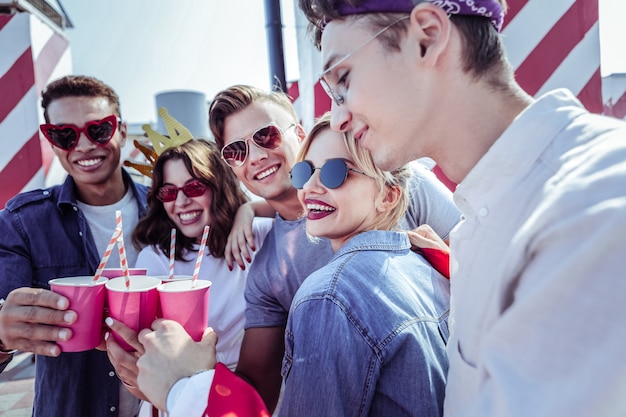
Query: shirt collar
[[67, 195], [517, 149]]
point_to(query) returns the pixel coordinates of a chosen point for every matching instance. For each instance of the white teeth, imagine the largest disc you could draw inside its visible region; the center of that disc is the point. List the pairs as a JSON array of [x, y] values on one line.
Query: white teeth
[[266, 173], [88, 162], [319, 207], [189, 216]]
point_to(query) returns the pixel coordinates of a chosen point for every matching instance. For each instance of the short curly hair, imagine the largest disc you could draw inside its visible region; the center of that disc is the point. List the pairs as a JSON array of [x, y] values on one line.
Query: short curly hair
[[78, 86]]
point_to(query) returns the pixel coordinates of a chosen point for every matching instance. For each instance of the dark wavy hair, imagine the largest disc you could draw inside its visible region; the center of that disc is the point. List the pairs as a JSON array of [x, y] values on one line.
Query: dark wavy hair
[[78, 86], [203, 162]]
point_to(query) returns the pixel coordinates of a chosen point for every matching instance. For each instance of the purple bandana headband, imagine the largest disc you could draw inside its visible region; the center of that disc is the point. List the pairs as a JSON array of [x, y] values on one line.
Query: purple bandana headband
[[487, 8]]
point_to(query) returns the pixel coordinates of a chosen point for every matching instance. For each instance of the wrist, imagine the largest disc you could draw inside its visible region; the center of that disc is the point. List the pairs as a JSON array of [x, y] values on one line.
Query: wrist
[[178, 388], [174, 392]]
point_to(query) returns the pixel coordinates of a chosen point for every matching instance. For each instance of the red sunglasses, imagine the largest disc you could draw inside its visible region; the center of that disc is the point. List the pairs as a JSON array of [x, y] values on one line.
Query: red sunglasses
[[169, 192], [66, 136], [268, 137]]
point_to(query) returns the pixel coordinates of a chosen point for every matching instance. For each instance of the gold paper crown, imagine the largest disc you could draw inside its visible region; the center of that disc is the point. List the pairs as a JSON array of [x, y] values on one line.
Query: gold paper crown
[[178, 134]]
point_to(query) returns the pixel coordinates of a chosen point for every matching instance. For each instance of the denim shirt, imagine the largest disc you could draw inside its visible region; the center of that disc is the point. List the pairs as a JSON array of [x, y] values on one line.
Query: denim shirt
[[366, 334], [43, 235]]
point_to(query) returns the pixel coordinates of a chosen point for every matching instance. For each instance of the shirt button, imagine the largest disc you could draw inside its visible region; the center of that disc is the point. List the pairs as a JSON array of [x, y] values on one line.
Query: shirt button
[[483, 212], [75, 208], [112, 409], [80, 233], [111, 373], [46, 192]]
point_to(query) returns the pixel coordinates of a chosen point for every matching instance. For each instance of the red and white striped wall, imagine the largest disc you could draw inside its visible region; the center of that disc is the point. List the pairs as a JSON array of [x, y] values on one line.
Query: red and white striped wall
[[33, 53], [553, 44]]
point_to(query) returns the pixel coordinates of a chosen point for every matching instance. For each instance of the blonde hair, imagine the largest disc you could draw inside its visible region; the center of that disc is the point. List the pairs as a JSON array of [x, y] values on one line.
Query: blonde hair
[[362, 160]]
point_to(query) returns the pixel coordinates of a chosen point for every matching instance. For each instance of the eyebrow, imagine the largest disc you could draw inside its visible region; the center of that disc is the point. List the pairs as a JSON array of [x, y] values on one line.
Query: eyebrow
[[331, 61]]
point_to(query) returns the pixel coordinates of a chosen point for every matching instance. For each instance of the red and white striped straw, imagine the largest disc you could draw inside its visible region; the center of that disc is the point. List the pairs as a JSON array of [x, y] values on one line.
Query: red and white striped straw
[[172, 252], [118, 219], [107, 253], [196, 270], [123, 261]]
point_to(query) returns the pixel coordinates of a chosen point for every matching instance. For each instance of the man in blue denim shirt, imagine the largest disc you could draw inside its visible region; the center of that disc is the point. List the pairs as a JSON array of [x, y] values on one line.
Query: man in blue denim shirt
[[62, 231]]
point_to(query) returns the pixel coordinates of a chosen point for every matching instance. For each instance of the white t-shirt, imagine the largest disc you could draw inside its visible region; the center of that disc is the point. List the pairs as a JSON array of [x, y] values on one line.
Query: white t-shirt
[[226, 302], [101, 221]]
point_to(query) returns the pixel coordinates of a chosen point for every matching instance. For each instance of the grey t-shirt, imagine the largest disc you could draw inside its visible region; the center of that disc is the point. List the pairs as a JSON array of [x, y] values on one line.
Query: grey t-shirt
[[288, 255]]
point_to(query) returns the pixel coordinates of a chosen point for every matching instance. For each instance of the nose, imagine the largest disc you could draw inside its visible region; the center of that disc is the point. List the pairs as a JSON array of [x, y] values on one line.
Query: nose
[[84, 144], [181, 198], [255, 152], [340, 118], [313, 184]]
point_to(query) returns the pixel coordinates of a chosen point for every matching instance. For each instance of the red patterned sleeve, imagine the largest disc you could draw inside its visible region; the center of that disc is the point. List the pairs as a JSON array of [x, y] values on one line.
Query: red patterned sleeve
[[232, 396]]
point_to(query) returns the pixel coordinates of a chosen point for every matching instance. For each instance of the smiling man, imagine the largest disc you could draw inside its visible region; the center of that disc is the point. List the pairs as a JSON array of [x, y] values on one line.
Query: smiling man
[[62, 231]]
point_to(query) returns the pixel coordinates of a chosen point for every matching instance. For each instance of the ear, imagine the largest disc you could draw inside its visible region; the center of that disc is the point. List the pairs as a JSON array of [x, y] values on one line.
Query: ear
[[123, 133], [300, 132], [430, 27], [390, 198]]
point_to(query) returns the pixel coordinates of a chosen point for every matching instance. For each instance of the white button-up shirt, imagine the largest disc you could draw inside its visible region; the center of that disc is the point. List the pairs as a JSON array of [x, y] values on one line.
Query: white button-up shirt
[[539, 270]]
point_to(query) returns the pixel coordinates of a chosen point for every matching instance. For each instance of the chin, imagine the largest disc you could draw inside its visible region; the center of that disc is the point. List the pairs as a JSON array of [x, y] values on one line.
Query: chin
[[388, 161]]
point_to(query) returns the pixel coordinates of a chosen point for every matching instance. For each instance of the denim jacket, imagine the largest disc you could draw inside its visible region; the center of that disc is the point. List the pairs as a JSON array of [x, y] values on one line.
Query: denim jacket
[[43, 235], [366, 334]]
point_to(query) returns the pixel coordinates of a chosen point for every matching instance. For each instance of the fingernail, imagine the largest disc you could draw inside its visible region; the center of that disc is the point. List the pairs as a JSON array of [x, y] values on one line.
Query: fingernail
[[109, 321], [64, 334], [62, 304], [106, 336], [230, 267], [69, 317], [54, 351], [249, 260]]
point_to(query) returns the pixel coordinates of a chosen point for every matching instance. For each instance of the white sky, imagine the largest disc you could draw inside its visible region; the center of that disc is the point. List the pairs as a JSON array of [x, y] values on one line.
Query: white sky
[[144, 47]]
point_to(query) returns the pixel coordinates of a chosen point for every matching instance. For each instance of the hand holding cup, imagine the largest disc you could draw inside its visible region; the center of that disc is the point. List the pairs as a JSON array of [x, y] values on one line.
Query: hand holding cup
[[171, 354], [31, 320]]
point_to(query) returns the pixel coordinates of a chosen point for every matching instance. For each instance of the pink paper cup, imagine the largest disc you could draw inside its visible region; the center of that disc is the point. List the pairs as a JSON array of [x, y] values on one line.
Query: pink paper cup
[[186, 304], [118, 272], [136, 306], [87, 300], [166, 278]]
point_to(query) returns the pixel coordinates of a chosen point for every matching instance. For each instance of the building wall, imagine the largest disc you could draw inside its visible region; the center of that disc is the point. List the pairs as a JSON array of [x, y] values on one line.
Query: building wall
[[33, 53]]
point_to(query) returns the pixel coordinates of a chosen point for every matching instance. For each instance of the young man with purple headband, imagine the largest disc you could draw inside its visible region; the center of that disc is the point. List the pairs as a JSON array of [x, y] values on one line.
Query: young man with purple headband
[[537, 262]]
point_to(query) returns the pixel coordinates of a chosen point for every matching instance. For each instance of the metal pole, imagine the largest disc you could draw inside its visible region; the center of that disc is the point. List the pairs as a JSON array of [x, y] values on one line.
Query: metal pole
[[274, 27]]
